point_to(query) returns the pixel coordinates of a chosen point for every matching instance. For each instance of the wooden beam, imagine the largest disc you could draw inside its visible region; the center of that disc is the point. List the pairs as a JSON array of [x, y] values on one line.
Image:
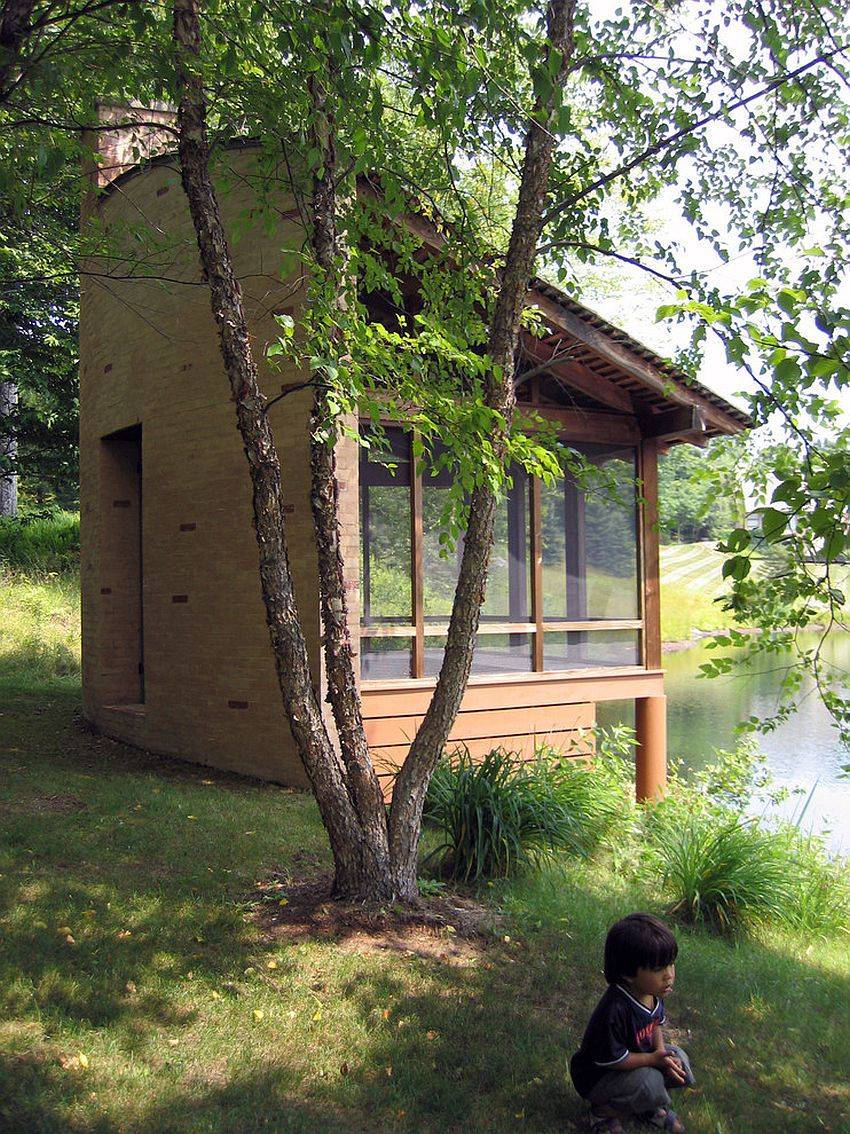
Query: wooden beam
[[629, 363], [579, 377], [588, 425], [681, 424], [650, 569]]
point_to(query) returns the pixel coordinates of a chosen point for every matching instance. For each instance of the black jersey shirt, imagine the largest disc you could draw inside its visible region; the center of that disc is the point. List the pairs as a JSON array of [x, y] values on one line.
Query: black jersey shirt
[[619, 1025]]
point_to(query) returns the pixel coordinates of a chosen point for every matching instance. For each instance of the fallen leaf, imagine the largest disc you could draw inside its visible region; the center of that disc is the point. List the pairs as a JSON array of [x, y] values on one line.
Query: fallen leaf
[[64, 930], [258, 1014], [271, 964], [83, 1059], [216, 995]]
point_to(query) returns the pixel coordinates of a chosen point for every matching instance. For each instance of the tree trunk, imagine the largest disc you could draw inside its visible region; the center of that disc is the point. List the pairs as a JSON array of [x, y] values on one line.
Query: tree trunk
[[429, 742], [359, 868], [332, 258], [372, 860], [8, 450]]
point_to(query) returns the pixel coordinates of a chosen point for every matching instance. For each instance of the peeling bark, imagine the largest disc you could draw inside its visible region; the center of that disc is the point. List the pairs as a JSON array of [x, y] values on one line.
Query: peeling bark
[[412, 783], [359, 870]]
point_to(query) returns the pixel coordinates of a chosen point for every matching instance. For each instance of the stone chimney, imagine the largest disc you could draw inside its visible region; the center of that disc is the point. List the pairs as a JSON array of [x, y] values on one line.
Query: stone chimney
[[124, 137]]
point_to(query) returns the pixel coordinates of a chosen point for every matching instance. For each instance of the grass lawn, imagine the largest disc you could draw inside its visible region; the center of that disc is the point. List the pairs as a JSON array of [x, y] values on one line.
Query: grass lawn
[[141, 994]]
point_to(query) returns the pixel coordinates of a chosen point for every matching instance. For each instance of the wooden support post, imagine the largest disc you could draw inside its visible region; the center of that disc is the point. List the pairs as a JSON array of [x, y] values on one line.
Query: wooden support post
[[651, 755]]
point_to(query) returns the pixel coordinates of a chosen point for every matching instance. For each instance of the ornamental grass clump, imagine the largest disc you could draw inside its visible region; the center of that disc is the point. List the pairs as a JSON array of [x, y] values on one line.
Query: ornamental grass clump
[[501, 813], [722, 870]]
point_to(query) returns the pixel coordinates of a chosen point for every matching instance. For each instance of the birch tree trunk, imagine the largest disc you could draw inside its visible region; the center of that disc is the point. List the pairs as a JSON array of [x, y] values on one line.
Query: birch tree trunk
[[360, 867], [412, 783], [8, 451], [373, 858]]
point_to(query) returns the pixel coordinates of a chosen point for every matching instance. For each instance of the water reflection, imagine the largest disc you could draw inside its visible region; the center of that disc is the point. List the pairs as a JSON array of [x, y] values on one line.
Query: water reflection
[[804, 752]]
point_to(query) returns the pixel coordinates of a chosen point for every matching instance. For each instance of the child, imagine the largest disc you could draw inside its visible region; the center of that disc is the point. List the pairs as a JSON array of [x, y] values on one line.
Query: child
[[623, 1068]]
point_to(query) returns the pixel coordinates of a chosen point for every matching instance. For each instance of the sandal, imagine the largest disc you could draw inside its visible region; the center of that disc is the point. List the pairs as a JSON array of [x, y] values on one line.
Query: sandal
[[665, 1119], [605, 1124]]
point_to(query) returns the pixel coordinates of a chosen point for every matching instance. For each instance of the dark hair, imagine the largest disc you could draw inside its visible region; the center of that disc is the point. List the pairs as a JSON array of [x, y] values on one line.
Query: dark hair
[[639, 941]]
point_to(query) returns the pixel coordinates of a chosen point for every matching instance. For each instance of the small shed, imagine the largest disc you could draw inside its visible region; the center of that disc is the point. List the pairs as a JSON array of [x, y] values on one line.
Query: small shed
[[176, 656]]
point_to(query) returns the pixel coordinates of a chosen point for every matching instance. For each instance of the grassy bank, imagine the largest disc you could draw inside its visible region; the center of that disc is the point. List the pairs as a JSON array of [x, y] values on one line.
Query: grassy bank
[[691, 581], [140, 993]]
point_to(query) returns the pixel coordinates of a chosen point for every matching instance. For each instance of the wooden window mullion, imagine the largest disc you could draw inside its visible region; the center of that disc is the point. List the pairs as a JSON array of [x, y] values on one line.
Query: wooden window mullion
[[417, 579], [537, 574]]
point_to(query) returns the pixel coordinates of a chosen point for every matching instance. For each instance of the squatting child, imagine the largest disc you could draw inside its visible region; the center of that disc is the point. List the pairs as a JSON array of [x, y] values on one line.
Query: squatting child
[[623, 1067]]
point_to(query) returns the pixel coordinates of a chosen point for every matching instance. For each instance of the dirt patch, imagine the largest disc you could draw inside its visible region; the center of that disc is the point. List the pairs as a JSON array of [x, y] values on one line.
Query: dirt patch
[[453, 929], [43, 805]]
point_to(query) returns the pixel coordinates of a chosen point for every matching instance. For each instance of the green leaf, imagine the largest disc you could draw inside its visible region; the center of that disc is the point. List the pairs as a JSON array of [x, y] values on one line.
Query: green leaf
[[773, 524]]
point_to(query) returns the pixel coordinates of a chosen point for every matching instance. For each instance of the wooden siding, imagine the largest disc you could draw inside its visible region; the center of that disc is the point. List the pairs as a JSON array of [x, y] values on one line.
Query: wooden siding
[[518, 713]]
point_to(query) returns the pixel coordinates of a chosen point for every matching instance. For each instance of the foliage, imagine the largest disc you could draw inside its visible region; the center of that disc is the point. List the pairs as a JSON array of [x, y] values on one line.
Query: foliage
[[734, 109], [46, 541], [38, 350], [501, 813], [726, 868], [699, 493]]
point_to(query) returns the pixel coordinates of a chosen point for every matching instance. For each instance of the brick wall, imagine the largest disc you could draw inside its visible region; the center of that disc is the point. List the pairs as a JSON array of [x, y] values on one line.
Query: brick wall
[[151, 373]]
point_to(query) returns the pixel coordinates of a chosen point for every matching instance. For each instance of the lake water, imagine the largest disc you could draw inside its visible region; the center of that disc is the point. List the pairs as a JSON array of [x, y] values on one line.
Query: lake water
[[804, 752]]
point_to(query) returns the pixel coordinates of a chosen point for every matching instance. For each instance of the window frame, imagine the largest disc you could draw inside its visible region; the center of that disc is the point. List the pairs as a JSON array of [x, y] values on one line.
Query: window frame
[[536, 625]]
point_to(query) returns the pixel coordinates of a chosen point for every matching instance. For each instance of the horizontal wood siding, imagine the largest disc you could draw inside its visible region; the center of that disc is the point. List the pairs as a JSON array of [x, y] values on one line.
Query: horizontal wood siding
[[517, 713]]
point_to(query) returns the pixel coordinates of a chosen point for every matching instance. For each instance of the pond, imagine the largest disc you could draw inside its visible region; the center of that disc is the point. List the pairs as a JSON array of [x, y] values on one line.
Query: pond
[[804, 752]]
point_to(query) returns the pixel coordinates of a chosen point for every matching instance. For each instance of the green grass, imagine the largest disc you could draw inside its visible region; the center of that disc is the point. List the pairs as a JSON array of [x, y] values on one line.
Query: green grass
[[170, 1011], [48, 541], [691, 580], [39, 629]]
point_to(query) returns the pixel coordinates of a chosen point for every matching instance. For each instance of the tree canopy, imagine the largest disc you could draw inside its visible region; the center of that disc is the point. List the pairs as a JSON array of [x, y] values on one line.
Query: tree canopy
[[514, 128]]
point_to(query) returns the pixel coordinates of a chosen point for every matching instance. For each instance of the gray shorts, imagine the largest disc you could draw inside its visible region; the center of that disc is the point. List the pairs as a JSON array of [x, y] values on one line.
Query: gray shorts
[[641, 1090]]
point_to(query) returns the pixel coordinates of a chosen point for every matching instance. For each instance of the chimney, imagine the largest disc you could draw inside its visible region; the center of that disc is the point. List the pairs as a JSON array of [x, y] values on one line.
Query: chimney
[[124, 137]]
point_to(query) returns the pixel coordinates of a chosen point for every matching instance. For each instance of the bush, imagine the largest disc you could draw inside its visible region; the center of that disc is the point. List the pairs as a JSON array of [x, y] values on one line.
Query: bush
[[723, 870], [43, 542], [502, 812]]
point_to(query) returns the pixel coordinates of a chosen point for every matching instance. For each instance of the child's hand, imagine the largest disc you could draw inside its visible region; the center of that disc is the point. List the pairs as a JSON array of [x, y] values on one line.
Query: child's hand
[[671, 1066]]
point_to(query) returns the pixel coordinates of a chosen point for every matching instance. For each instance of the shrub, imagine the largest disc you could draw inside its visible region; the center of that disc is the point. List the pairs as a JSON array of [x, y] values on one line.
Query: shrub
[[43, 542], [502, 812], [722, 870]]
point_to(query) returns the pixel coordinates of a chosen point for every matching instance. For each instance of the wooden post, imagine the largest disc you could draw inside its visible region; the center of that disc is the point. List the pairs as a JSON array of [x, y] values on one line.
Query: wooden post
[[651, 754], [649, 553]]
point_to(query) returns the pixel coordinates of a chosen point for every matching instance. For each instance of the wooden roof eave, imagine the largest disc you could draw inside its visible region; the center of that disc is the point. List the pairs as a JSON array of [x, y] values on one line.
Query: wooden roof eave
[[708, 418]]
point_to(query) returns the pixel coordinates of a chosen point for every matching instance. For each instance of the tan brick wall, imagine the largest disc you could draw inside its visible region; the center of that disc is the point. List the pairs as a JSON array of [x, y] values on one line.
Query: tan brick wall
[[150, 359]]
